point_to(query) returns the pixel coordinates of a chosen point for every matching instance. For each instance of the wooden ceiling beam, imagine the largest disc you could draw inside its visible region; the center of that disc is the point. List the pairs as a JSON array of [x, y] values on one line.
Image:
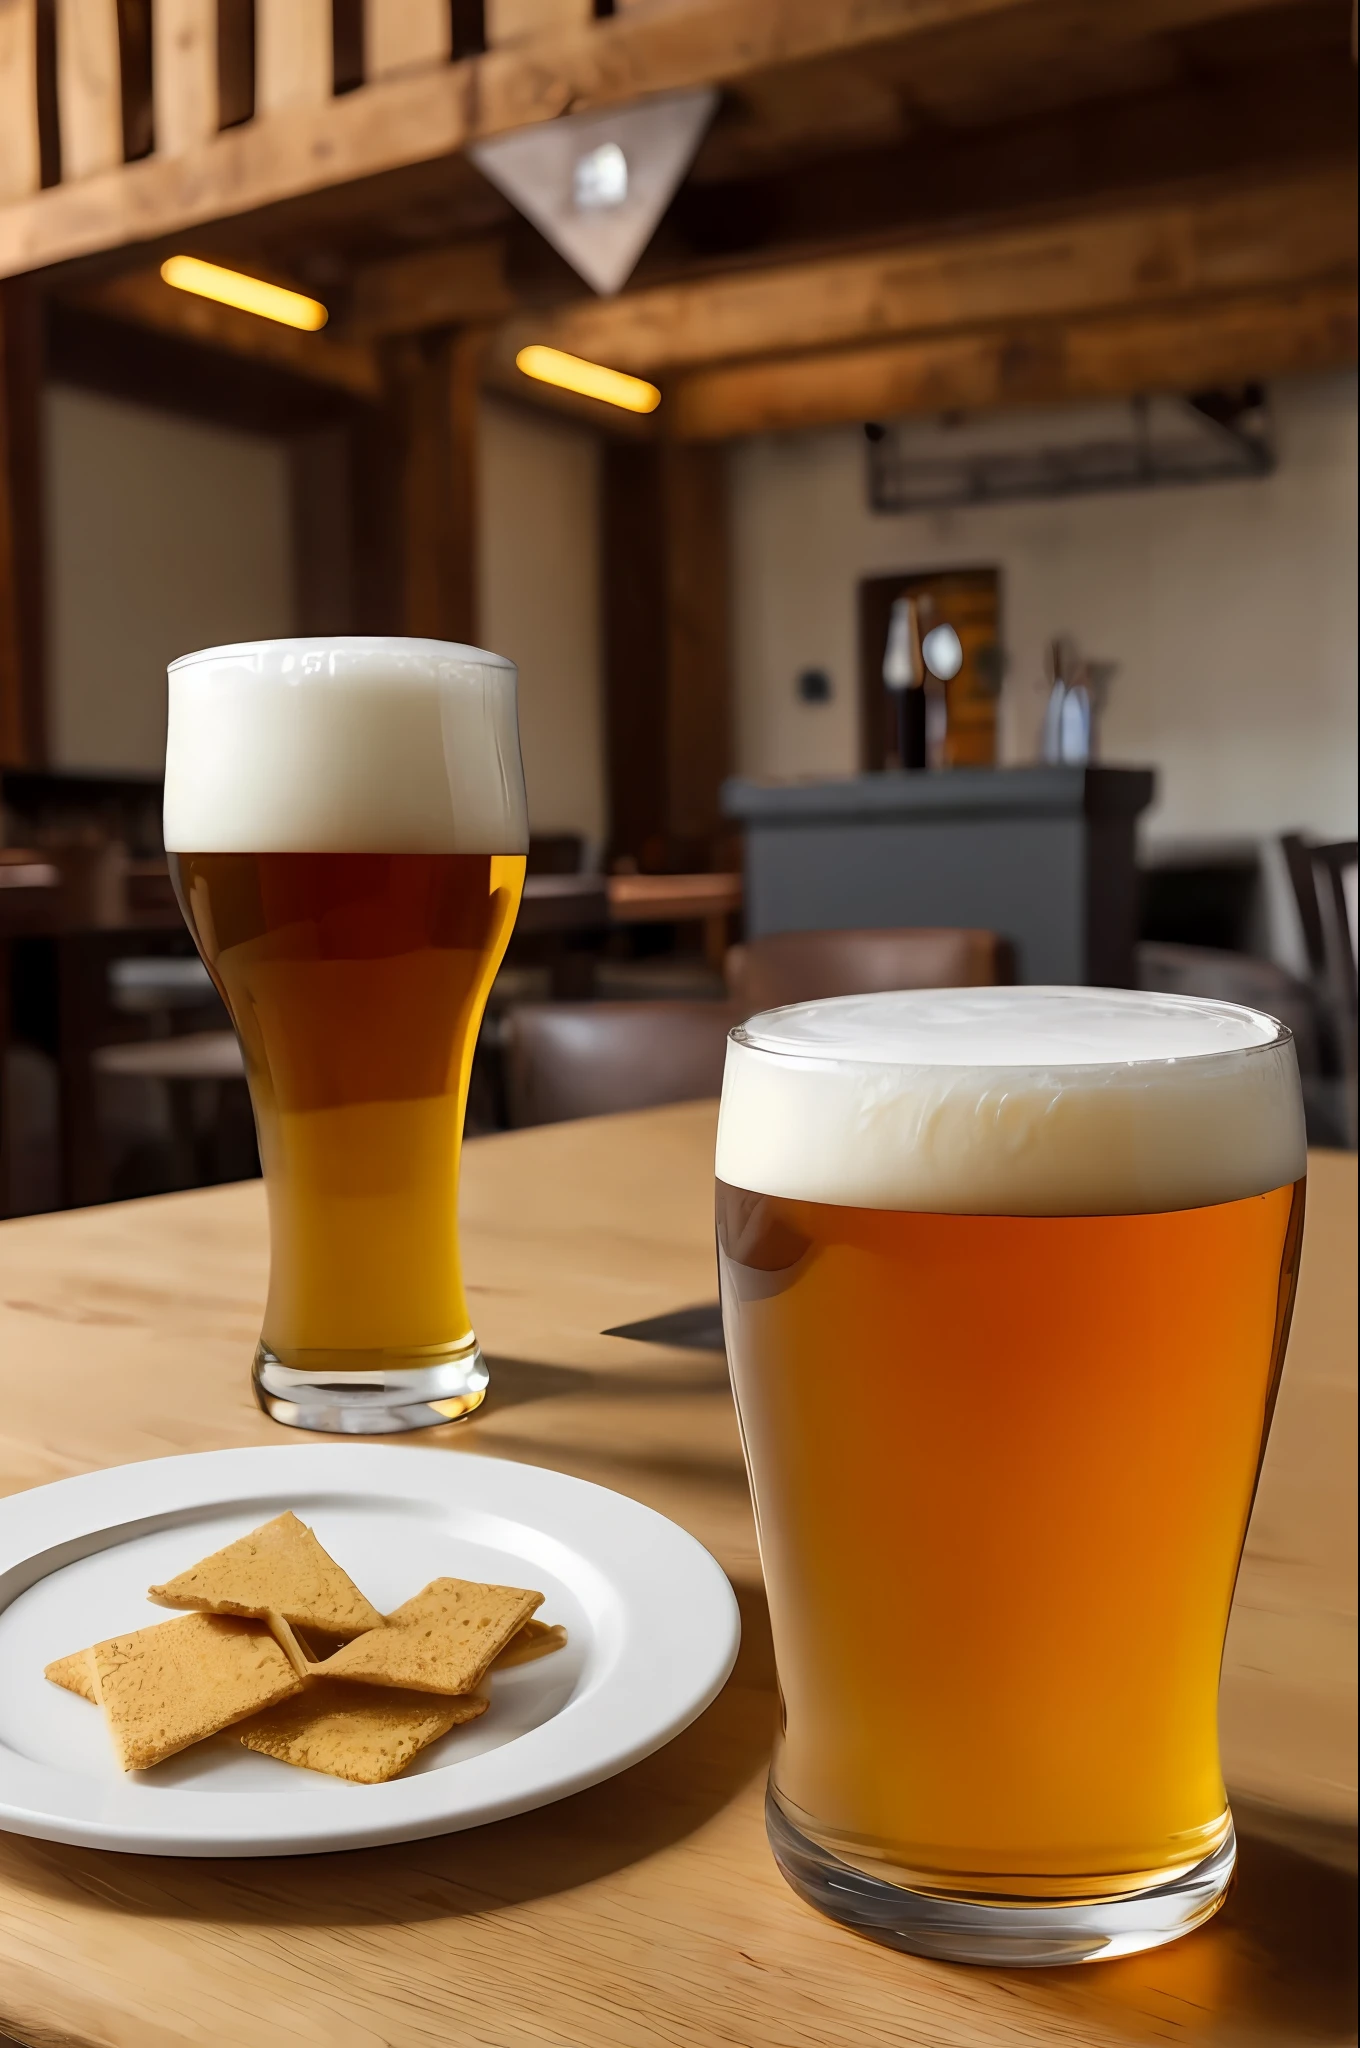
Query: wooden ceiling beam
[[454, 285], [143, 299], [439, 110], [1167, 249], [1298, 110], [1192, 345]]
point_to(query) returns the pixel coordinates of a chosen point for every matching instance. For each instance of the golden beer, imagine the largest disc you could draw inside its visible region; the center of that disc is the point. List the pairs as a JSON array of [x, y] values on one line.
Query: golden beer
[[357, 984], [1002, 1463], [354, 944]]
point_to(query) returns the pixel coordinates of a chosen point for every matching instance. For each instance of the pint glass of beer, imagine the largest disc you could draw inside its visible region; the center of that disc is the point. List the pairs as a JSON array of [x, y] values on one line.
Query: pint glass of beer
[[1007, 1277], [346, 827]]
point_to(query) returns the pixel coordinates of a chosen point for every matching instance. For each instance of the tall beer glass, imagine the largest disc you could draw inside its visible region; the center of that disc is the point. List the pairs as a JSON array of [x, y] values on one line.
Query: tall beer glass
[[1007, 1277], [347, 831]]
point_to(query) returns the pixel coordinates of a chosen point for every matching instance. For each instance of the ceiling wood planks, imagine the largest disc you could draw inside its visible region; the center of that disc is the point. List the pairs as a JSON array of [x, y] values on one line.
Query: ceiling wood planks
[[1180, 347], [420, 109], [142, 298], [1166, 249]]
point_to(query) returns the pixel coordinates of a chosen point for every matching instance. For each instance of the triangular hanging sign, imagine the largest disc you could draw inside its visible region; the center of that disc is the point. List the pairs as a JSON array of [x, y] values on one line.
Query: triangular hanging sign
[[597, 184]]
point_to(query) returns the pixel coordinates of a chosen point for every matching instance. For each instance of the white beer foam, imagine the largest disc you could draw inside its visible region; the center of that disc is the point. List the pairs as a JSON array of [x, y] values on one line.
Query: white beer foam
[[344, 746], [1012, 1102]]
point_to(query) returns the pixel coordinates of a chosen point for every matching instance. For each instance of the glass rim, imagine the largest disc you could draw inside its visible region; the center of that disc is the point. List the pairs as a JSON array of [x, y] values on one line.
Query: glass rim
[[344, 643], [742, 1035]]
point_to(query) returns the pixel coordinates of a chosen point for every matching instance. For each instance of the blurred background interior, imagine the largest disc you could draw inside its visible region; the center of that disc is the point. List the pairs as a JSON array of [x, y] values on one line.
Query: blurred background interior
[[909, 451]]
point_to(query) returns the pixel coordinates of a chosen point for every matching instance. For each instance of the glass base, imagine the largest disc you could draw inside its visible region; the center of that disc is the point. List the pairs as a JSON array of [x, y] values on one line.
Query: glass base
[[1019, 1936], [371, 1399]]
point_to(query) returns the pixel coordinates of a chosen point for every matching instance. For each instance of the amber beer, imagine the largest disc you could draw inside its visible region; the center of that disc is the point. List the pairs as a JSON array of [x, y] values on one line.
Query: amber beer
[[1007, 1277], [354, 940]]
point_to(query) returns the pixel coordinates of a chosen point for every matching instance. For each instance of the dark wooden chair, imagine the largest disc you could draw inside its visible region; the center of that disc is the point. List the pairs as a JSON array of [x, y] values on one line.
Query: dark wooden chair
[[566, 1060], [1320, 873], [800, 967]]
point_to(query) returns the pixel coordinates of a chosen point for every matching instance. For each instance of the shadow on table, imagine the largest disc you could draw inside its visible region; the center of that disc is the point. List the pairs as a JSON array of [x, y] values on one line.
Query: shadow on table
[[1277, 1964], [592, 1835], [517, 1381]]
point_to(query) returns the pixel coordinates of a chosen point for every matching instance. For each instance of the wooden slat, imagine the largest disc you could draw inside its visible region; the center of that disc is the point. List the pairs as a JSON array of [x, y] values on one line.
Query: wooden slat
[[89, 87], [1183, 347], [1283, 232], [405, 35], [184, 74], [143, 297], [411, 120], [20, 163], [293, 54], [519, 21]]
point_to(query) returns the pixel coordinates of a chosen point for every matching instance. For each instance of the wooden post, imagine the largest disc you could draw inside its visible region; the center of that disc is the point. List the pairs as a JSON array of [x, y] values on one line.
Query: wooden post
[[21, 609], [436, 380], [698, 683], [667, 673]]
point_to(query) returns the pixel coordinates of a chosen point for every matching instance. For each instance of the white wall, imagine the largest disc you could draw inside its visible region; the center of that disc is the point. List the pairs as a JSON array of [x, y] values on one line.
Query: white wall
[[162, 535], [540, 604], [1231, 608]]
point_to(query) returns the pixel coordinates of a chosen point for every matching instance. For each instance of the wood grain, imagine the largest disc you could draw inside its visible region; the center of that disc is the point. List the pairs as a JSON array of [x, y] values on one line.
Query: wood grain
[[293, 54], [434, 384], [89, 87], [143, 297], [1188, 246], [433, 111], [404, 35], [20, 165], [517, 21], [183, 74], [648, 1910], [431, 288], [1188, 345]]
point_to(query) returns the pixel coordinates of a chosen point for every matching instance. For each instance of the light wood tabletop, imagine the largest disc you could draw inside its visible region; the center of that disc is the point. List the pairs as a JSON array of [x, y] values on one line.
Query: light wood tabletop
[[647, 1910]]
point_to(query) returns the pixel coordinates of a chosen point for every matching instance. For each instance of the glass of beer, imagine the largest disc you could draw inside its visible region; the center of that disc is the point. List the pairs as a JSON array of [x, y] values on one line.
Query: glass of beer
[[346, 827], [1007, 1277]]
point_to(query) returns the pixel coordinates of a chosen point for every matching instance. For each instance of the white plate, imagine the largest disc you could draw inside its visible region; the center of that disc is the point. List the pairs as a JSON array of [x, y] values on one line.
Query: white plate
[[651, 1621]]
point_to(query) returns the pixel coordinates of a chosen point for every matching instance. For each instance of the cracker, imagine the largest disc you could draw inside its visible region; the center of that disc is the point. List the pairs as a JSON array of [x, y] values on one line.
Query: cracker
[[441, 1641], [535, 1639], [365, 1733], [279, 1568], [168, 1686], [294, 1647], [76, 1674]]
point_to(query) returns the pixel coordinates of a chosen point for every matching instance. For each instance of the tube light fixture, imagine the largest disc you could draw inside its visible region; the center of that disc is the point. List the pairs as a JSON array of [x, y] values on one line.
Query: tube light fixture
[[592, 380], [250, 294]]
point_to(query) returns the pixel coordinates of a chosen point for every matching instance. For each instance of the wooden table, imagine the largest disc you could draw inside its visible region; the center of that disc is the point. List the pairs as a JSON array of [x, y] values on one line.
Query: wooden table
[[648, 1910], [710, 900]]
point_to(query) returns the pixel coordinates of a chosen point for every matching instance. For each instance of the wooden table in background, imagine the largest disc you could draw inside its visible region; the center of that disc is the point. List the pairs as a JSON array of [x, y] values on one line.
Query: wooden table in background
[[710, 900], [648, 1910]]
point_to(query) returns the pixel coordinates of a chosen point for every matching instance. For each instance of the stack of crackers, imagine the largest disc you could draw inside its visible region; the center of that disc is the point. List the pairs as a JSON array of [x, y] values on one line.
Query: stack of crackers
[[282, 1649]]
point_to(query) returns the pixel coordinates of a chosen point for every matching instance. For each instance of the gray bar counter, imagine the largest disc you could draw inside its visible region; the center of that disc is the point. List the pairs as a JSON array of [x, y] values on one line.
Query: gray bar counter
[[1043, 856]]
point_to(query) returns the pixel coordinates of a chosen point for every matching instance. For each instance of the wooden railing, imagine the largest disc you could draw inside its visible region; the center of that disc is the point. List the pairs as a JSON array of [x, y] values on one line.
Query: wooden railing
[[254, 100], [86, 85]]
